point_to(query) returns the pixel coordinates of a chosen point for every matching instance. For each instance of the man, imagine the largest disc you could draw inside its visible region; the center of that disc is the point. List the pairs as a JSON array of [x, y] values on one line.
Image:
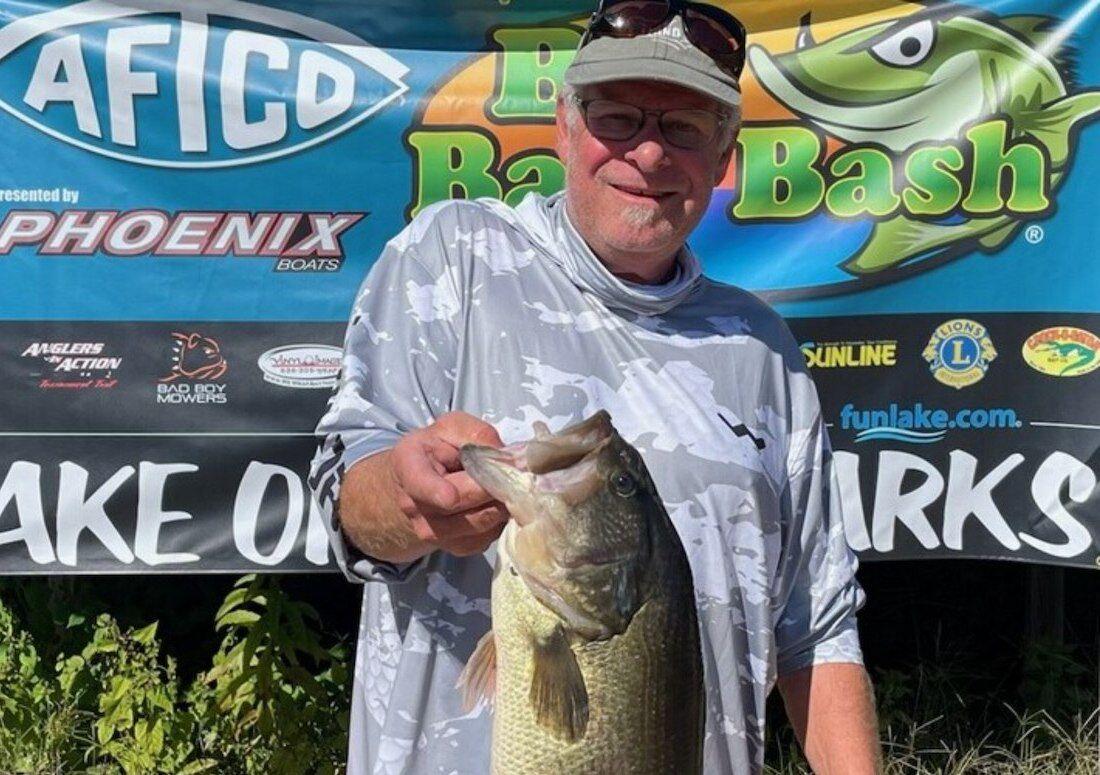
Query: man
[[479, 319]]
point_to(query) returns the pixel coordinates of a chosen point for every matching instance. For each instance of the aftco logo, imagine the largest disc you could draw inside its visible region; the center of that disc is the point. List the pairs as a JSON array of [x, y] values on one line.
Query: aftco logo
[[190, 83]]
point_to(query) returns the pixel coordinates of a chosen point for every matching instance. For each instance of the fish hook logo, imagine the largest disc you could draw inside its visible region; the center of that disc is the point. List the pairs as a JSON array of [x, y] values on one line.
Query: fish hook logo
[[957, 127]]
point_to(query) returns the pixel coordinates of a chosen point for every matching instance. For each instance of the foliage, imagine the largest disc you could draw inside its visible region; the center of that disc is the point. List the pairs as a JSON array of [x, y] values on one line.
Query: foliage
[[943, 716], [82, 691], [274, 700]]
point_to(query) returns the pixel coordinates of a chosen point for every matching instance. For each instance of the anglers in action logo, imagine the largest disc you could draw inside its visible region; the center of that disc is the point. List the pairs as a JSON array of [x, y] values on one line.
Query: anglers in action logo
[[959, 352], [1062, 351], [74, 365]]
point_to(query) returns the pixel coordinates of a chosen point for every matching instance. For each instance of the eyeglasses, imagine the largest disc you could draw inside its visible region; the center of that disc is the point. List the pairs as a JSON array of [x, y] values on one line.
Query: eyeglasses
[[715, 32], [688, 128]]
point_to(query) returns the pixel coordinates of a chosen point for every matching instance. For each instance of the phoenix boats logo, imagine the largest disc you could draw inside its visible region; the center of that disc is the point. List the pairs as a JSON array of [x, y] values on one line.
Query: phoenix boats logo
[[299, 241], [195, 84]]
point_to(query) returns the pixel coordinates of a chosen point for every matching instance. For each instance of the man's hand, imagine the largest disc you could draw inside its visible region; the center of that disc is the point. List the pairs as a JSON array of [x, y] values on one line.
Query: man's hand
[[832, 709], [410, 500]]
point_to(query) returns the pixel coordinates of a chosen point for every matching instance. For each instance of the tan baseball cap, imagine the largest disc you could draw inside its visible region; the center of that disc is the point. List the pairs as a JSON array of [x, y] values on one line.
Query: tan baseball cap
[[665, 55]]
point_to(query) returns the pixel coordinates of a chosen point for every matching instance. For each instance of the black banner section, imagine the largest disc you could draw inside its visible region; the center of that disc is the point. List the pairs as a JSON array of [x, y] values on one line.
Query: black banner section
[[184, 447], [963, 435]]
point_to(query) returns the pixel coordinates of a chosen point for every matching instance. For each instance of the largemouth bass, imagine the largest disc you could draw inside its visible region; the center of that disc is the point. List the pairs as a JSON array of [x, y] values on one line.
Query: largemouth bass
[[593, 662]]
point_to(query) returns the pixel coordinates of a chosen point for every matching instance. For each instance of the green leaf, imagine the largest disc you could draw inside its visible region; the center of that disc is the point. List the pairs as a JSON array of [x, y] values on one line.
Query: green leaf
[[146, 634], [240, 616], [104, 731]]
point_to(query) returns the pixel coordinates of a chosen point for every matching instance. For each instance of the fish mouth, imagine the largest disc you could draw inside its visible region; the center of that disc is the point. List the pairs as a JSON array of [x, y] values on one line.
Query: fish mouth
[[552, 470]]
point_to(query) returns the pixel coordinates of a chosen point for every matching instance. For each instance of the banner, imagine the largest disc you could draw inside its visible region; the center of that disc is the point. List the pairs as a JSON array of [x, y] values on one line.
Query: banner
[[191, 193]]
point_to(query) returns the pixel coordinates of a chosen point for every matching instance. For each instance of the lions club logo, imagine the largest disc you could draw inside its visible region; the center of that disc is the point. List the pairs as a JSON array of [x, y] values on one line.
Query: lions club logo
[[959, 352]]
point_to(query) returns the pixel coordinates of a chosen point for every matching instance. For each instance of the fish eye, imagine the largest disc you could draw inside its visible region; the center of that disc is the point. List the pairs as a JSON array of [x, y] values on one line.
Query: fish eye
[[623, 484], [907, 47]]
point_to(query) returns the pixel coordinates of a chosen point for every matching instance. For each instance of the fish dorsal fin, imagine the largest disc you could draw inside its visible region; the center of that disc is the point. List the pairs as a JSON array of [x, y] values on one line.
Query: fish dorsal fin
[[1039, 32], [478, 679], [558, 693]]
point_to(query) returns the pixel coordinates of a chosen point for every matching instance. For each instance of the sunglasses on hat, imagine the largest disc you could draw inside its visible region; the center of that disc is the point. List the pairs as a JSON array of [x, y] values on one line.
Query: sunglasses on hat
[[715, 32]]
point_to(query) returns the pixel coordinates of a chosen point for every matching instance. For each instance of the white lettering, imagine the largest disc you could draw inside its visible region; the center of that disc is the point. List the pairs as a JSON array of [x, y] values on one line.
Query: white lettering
[[123, 83], [64, 53], [23, 485], [846, 468], [891, 504], [23, 228], [312, 111], [150, 513], [190, 75], [965, 497], [1046, 487], [246, 512], [188, 233], [77, 513], [240, 133], [317, 546], [77, 232]]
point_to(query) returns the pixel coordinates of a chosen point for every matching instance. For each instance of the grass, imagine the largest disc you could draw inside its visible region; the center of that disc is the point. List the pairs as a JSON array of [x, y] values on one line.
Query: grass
[[1038, 745]]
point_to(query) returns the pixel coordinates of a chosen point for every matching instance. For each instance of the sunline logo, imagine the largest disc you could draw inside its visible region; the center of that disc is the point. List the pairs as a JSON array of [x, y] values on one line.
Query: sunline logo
[[919, 424]]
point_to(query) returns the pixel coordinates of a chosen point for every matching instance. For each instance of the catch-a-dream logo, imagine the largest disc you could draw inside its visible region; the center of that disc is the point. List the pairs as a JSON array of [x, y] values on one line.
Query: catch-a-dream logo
[[890, 146]]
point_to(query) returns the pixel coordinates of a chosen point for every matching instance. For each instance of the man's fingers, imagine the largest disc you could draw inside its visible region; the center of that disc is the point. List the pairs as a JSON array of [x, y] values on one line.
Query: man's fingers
[[458, 428], [465, 547], [445, 530], [421, 469], [414, 468]]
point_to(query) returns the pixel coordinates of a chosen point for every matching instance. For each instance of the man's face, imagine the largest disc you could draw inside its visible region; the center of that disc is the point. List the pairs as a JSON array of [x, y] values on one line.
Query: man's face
[[643, 196]]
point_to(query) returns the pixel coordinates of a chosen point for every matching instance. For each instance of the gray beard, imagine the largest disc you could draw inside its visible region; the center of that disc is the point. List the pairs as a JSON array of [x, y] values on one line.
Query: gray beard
[[639, 215]]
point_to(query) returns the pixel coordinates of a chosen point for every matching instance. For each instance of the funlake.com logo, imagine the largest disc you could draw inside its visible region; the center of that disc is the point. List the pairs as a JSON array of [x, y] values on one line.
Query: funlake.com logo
[[920, 424]]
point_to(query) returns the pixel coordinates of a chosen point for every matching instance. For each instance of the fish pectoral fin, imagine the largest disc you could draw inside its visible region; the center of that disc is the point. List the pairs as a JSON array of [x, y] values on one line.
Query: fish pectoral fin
[[1053, 124], [997, 238], [478, 678], [891, 244], [558, 693]]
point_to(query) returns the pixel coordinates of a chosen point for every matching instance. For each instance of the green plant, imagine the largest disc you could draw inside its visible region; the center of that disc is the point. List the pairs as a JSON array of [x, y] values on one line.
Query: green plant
[[275, 699], [1053, 680], [279, 701]]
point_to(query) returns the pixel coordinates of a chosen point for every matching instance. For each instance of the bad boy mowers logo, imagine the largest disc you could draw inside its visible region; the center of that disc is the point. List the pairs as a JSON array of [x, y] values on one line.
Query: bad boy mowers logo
[[916, 138], [959, 352]]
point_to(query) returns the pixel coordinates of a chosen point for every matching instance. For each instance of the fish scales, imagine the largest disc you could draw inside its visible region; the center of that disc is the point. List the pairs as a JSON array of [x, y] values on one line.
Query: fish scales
[[642, 686]]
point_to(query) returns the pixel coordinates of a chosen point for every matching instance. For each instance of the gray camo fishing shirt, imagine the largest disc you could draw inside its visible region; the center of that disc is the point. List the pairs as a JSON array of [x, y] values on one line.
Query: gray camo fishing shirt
[[505, 313]]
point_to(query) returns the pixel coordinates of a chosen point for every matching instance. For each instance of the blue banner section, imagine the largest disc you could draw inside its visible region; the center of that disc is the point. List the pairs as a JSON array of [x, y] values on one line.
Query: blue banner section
[[910, 187]]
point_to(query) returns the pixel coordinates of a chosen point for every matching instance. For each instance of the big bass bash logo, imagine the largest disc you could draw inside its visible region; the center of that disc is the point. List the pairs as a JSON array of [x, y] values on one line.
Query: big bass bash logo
[[901, 135]]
